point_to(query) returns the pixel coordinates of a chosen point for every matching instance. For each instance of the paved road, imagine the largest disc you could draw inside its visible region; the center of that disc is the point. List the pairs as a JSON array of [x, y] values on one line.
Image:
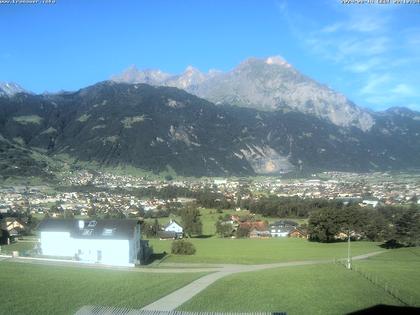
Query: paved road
[[180, 296]]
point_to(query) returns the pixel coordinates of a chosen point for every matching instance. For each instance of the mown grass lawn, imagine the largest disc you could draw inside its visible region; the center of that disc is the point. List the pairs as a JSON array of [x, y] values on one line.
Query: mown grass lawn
[[258, 251], [398, 269], [317, 289], [39, 289], [21, 247]]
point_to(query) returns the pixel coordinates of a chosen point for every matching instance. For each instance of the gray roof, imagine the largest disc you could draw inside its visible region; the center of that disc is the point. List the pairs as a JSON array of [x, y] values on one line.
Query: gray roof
[[170, 222], [284, 223], [92, 229]]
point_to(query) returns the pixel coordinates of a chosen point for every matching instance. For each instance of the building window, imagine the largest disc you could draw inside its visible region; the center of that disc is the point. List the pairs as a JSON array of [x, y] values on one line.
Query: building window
[[87, 232], [108, 232], [92, 224]]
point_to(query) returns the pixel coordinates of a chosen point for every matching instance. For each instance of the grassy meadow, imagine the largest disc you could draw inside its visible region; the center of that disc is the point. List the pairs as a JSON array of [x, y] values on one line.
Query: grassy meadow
[[21, 247], [40, 289], [259, 251], [398, 270], [318, 289]]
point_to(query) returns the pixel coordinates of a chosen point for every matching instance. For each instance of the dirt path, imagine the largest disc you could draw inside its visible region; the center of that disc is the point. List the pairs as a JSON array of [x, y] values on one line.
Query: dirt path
[[180, 296]]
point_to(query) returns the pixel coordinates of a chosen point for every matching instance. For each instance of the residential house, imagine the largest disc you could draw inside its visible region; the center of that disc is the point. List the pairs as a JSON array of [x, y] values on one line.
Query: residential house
[[110, 242], [255, 233], [372, 203], [298, 233], [282, 228], [172, 230], [258, 229], [12, 228]]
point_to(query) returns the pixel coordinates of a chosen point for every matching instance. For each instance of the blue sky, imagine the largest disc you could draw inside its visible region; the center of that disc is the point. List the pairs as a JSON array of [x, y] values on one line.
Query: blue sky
[[370, 53]]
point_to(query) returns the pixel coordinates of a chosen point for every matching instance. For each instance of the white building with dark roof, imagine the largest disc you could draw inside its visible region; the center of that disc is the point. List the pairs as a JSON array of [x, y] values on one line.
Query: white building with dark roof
[[109, 242]]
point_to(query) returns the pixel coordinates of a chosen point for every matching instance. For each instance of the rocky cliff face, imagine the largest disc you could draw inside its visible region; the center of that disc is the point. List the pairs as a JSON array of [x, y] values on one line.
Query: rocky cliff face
[[264, 84]]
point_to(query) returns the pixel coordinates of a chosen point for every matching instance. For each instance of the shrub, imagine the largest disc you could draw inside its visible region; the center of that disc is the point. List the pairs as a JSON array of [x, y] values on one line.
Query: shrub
[[182, 247]]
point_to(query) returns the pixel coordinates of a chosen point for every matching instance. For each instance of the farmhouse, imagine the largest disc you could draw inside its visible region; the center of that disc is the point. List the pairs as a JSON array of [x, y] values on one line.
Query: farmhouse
[[110, 242], [172, 230]]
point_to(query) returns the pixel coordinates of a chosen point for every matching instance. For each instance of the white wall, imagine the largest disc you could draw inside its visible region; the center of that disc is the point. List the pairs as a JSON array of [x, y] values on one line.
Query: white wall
[[57, 244], [113, 252]]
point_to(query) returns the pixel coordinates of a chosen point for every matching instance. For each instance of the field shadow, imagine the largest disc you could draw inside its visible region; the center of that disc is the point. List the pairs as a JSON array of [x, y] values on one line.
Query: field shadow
[[156, 258], [387, 309], [203, 236], [391, 244]]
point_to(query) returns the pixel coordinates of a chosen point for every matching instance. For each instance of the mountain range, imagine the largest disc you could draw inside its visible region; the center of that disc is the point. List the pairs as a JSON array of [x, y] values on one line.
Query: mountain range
[[263, 117], [265, 84]]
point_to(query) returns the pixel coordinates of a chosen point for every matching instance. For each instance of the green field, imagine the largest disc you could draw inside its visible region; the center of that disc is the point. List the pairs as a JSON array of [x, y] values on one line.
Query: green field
[[40, 289], [21, 247], [398, 270], [258, 251], [318, 289]]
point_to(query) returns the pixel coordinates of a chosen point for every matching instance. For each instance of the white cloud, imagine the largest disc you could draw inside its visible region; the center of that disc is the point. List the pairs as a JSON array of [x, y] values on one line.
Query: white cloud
[[375, 83], [403, 90], [377, 56], [332, 28], [361, 66], [413, 106]]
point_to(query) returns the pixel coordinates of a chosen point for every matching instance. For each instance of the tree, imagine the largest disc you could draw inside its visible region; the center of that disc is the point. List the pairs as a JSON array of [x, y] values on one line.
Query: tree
[[92, 212], [224, 228], [68, 214], [243, 231], [155, 227], [182, 247], [326, 223], [377, 227], [407, 227], [353, 219], [323, 225], [191, 221]]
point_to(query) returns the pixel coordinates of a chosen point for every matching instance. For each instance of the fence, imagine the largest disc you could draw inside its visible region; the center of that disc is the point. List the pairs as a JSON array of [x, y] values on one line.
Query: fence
[[384, 285]]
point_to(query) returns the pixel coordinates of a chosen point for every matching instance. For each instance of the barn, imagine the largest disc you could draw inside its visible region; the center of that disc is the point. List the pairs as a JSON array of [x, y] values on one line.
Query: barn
[[109, 242]]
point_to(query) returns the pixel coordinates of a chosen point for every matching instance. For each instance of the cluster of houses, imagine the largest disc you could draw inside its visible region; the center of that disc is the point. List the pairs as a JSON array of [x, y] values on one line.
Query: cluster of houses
[[256, 228], [260, 229]]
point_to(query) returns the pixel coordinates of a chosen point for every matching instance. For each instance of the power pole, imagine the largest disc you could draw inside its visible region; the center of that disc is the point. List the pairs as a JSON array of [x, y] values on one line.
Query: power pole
[[348, 252]]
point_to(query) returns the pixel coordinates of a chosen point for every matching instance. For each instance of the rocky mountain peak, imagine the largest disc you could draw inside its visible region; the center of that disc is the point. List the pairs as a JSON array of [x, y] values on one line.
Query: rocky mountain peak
[[277, 60], [268, 84], [10, 88]]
